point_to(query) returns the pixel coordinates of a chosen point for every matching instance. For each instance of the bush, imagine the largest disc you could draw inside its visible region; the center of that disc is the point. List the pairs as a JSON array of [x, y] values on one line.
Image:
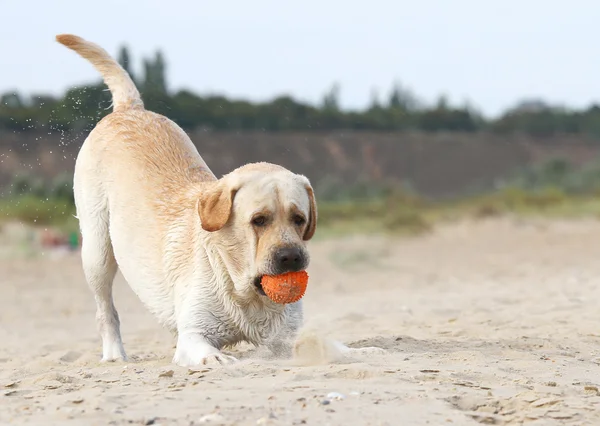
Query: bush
[[32, 209], [399, 211]]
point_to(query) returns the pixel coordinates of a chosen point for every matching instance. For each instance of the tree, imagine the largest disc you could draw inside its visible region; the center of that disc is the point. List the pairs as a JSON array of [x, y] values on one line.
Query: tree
[[12, 100], [402, 98], [125, 60], [160, 70], [331, 100], [154, 86], [155, 81], [375, 103], [442, 103]]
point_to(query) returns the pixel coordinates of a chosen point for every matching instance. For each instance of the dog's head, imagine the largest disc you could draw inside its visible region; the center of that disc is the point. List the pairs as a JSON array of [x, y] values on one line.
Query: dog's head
[[260, 216]]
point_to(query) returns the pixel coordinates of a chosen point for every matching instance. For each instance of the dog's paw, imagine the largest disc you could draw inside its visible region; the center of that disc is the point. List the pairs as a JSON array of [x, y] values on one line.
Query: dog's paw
[[193, 351], [222, 359], [123, 358], [113, 351], [211, 359]]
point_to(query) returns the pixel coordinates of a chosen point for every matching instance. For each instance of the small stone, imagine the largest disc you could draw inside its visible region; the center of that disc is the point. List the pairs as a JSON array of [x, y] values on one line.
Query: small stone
[[465, 383], [10, 384], [335, 395], [150, 421], [168, 373], [10, 392], [325, 402], [551, 384], [266, 420], [214, 419], [77, 400], [592, 390], [70, 356], [486, 418]]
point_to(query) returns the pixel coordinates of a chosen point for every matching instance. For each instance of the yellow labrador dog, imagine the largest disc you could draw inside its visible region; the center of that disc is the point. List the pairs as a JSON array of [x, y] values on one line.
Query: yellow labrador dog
[[191, 246]]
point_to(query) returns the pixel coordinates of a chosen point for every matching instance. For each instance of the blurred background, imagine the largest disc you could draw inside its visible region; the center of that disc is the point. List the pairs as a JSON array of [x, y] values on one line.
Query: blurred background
[[402, 114], [454, 147]]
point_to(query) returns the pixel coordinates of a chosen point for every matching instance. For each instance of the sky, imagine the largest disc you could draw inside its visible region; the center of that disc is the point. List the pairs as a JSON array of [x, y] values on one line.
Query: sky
[[488, 53]]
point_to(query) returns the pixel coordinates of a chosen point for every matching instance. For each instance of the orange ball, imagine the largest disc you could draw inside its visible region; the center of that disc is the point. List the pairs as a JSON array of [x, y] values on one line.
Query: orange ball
[[285, 288]]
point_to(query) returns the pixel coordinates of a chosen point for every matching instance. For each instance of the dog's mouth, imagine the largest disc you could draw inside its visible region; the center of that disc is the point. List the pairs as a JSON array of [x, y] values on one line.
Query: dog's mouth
[[258, 285]]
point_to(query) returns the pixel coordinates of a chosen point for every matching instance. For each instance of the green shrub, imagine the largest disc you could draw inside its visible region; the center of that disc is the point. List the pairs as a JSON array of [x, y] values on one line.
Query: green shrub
[[35, 210]]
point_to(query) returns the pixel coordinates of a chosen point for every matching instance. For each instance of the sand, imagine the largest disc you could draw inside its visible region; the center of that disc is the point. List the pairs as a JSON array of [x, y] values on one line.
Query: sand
[[494, 322]]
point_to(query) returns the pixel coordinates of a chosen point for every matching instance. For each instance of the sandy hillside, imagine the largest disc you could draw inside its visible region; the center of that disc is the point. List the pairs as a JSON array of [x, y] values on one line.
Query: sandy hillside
[[495, 323]]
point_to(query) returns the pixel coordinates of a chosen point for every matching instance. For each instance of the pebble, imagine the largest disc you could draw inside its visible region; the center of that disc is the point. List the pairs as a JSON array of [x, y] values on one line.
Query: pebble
[[196, 371], [212, 419], [266, 420], [70, 356], [335, 395], [168, 373]]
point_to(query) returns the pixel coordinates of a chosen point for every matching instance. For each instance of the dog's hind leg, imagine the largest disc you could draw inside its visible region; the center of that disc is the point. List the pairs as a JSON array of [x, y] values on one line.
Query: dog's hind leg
[[100, 268]]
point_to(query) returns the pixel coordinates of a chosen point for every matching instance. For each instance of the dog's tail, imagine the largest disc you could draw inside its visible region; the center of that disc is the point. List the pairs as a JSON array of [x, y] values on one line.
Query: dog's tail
[[124, 93]]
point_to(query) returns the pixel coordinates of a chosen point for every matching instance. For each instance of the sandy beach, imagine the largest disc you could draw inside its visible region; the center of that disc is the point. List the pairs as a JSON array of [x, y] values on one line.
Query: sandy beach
[[490, 322]]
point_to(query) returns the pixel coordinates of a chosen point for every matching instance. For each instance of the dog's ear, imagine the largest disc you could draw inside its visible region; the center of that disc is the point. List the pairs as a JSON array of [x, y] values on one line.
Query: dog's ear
[[312, 219], [214, 206]]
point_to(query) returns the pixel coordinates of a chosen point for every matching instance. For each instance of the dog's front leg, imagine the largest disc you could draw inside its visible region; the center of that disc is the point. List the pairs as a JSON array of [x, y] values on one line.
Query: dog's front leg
[[281, 345], [199, 334], [194, 348]]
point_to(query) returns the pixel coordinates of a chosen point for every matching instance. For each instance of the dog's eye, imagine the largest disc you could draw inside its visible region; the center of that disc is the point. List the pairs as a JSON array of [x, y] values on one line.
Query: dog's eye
[[299, 220], [259, 221]]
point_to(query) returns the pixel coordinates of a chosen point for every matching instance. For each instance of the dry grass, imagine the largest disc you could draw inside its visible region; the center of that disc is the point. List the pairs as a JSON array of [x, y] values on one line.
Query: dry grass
[[411, 215], [398, 213]]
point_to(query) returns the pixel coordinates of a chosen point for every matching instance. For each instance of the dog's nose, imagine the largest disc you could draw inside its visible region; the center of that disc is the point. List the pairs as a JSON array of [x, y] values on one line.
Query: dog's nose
[[289, 259]]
